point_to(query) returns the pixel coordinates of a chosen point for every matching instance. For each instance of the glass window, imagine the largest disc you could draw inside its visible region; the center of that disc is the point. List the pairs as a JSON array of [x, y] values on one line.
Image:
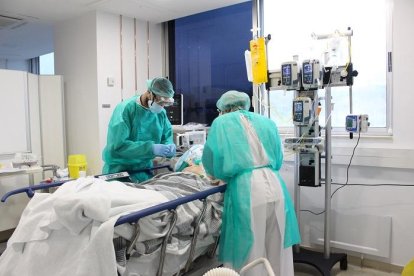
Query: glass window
[[47, 64], [209, 58], [291, 24]]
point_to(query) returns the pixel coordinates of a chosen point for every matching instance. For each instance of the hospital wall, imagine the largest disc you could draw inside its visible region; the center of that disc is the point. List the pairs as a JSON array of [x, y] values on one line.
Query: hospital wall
[[364, 211], [90, 51]]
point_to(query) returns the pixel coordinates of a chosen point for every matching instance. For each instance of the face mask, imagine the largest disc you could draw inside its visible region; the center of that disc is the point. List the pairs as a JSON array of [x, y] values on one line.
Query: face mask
[[154, 107]]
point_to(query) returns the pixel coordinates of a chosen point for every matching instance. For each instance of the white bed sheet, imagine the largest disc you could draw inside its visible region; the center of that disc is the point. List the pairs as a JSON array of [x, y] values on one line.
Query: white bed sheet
[[70, 232]]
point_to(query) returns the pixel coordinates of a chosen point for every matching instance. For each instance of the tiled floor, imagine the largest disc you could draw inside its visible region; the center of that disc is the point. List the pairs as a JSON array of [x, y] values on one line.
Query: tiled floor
[[305, 270]]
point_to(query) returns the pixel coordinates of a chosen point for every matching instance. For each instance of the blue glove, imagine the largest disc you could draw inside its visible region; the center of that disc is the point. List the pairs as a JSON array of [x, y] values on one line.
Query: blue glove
[[161, 150], [172, 150]]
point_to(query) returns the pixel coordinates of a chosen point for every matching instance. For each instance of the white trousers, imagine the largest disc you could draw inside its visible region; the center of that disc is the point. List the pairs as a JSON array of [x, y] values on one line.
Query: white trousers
[[268, 224]]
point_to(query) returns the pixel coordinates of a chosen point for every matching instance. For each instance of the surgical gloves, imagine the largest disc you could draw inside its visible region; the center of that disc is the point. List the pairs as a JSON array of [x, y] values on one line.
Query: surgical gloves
[[172, 149], [164, 150]]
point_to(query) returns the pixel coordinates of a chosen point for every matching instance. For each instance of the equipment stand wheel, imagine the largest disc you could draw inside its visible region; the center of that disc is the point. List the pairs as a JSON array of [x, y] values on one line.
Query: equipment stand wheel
[[318, 260]]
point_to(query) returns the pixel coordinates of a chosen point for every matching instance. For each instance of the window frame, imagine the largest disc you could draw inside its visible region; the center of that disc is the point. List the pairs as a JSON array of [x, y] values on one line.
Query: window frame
[[386, 131]]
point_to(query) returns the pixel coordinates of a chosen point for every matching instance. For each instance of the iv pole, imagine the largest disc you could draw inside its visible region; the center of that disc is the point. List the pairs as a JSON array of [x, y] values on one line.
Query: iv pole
[[324, 262], [259, 90]]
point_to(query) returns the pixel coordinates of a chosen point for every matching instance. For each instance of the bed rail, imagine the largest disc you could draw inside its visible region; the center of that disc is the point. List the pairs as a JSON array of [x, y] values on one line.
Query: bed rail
[[41, 186], [170, 205]]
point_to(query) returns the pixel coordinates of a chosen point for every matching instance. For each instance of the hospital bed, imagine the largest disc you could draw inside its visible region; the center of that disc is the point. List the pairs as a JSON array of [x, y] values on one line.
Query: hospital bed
[[129, 248]]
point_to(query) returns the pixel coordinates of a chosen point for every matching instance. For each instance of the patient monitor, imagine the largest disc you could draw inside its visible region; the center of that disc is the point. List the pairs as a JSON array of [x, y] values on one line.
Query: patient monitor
[[175, 112], [187, 139]]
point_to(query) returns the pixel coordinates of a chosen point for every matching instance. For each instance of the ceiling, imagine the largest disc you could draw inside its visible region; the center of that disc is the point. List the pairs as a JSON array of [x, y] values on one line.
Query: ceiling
[[26, 26]]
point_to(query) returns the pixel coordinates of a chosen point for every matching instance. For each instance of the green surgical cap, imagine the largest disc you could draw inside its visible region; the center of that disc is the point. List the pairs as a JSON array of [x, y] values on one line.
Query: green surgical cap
[[233, 99], [161, 87]]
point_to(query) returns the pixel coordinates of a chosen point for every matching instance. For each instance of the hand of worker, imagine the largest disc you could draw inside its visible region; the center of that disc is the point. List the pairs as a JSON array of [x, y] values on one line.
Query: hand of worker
[[161, 150], [172, 149]]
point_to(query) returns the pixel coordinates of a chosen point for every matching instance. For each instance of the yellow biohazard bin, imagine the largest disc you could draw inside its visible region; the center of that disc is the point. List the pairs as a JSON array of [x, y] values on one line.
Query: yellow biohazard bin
[[77, 165]]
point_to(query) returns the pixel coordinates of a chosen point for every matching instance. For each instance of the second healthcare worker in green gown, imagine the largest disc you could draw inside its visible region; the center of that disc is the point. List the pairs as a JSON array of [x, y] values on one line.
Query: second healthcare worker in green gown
[[244, 150], [139, 131]]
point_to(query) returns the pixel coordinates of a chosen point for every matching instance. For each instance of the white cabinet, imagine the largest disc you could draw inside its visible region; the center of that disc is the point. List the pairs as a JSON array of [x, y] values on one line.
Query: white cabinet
[[32, 120]]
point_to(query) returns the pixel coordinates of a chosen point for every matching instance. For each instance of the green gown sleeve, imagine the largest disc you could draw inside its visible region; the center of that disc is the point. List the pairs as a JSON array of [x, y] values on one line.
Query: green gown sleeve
[[167, 135], [121, 147]]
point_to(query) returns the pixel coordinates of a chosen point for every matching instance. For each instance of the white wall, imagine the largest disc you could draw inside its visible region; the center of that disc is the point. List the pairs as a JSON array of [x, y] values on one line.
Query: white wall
[[145, 56], [403, 42], [377, 160], [109, 65], [155, 54], [88, 51], [53, 120], [76, 60]]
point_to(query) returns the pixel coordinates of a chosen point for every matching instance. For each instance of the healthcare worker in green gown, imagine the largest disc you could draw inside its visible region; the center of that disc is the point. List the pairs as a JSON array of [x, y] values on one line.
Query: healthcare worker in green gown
[[244, 150], [139, 130]]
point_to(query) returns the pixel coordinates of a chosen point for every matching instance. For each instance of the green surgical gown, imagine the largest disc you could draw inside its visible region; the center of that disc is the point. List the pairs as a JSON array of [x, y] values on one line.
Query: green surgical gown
[[228, 156], [133, 130]]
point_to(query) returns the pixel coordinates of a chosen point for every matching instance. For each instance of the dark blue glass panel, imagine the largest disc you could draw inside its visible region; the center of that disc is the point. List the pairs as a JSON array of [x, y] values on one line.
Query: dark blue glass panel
[[209, 58]]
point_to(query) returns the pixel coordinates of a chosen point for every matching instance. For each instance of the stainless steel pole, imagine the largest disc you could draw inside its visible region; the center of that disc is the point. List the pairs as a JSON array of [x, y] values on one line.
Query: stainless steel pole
[[350, 87], [296, 187], [328, 164]]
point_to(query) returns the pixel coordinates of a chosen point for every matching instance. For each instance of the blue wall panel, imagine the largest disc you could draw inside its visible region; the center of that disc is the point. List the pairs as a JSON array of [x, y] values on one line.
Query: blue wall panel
[[209, 58]]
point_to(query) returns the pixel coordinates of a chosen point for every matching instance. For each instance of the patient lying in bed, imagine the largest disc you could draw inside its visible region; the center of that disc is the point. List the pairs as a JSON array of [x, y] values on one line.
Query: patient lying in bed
[[71, 232]]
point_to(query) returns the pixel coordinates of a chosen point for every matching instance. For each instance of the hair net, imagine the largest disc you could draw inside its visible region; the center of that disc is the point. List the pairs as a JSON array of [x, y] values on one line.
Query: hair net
[[161, 87], [233, 99]]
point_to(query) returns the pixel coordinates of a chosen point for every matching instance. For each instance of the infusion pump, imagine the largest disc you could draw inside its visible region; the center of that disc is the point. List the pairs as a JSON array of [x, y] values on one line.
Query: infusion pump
[[357, 123], [290, 75], [302, 111], [311, 74]]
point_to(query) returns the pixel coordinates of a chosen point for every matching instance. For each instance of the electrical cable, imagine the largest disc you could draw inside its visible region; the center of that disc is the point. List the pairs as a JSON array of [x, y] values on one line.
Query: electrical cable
[[347, 177], [358, 184], [313, 213], [349, 165]]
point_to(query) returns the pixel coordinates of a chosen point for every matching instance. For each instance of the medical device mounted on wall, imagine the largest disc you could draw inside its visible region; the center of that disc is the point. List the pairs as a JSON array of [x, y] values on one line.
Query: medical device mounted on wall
[[357, 123]]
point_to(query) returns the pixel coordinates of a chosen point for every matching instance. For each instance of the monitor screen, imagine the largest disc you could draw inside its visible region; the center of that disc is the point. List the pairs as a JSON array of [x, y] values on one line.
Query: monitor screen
[[307, 73], [286, 70], [286, 74], [175, 111], [297, 111], [298, 106]]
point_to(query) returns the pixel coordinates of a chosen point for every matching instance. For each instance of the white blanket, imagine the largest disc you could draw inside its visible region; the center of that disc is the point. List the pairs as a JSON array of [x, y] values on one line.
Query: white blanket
[[70, 232]]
